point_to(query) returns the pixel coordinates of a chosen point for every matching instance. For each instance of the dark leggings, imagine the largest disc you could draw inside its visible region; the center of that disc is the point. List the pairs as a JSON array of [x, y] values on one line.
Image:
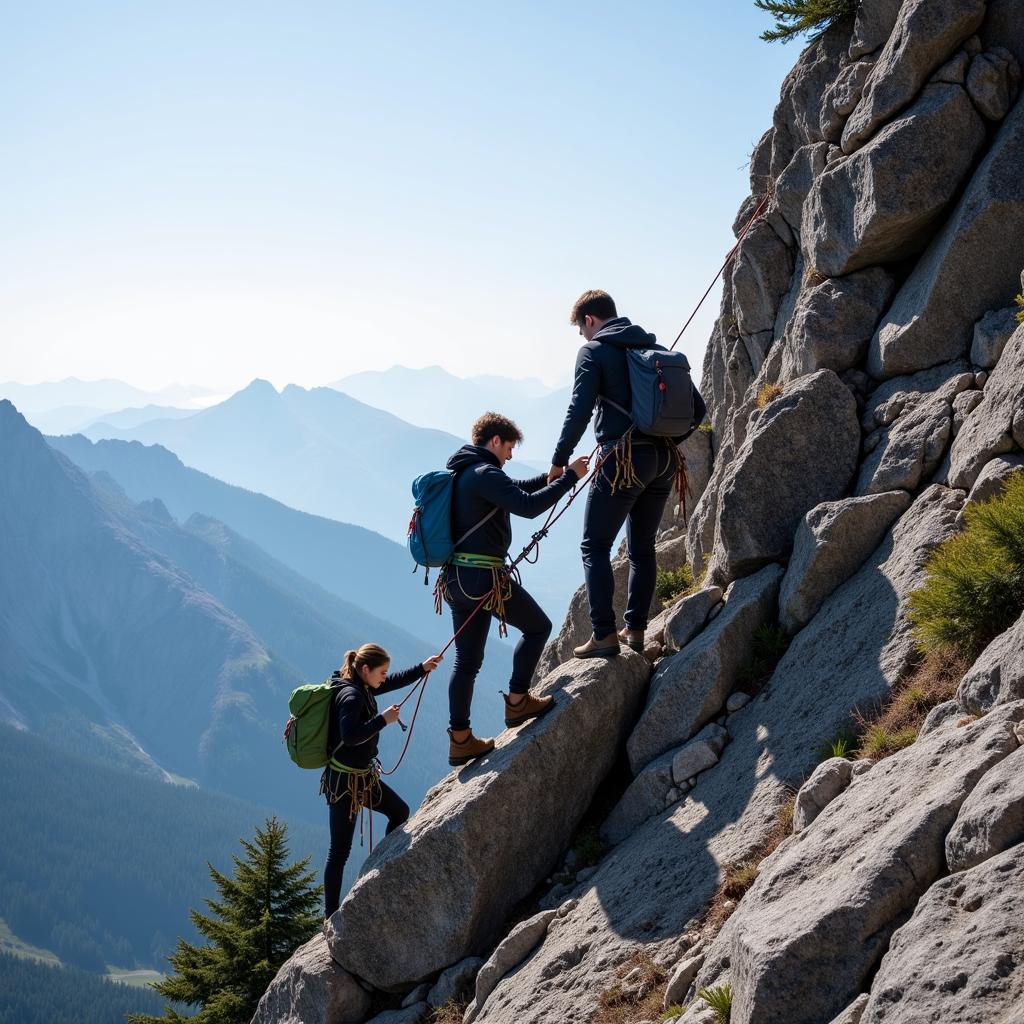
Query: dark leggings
[[641, 507], [466, 587], [388, 803]]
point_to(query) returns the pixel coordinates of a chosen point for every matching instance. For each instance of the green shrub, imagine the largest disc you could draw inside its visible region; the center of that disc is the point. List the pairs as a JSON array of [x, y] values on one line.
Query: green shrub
[[974, 582], [719, 999], [880, 741], [669, 583], [1019, 299], [674, 1011], [768, 393], [706, 428], [589, 847], [794, 17]]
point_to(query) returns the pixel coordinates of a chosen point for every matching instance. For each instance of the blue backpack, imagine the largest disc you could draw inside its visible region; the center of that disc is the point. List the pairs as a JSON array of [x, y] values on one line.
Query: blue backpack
[[661, 391], [430, 529]]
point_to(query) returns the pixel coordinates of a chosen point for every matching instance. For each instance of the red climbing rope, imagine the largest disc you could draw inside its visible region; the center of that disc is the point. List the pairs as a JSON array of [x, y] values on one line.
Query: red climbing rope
[[732, 252]]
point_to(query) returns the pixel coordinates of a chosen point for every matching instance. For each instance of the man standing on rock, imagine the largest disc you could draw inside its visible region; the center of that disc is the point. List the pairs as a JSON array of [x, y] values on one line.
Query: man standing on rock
[[483, 499], [636, 475]]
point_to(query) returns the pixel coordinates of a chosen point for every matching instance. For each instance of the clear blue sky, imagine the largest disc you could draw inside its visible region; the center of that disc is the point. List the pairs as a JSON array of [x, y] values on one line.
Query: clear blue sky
[[208, 192]]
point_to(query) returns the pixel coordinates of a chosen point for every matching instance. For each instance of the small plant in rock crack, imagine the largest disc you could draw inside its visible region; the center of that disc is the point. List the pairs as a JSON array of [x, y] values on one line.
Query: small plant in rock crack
[[1019, 299], [719, 999], [589, 847], [669, 583], [769, 645], [768, 393], [841, 745]]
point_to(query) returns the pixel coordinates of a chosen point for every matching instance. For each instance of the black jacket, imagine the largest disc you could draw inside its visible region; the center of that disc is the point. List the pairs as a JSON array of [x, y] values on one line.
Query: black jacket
[[355, 721], [602, 369], [482, 485]]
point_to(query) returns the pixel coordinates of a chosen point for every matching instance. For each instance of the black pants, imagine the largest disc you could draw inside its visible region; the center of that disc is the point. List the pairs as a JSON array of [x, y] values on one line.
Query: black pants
[[388, 803], [466, 587], [641, 508]]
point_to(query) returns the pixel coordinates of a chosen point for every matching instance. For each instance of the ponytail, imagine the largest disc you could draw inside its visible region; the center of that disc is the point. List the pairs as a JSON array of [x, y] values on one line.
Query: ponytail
[[370, 655]]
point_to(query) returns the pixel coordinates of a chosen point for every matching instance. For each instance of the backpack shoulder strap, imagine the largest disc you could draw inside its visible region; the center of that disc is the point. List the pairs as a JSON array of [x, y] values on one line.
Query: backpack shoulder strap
[[614, 405], [494, 511]]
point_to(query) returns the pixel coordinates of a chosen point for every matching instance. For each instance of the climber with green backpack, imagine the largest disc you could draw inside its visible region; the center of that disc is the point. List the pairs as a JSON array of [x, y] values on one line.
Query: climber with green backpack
[[335, 725]]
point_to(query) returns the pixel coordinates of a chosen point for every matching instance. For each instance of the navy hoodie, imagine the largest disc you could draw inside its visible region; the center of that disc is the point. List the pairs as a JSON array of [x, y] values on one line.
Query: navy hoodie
[[482, 485], [602, 369], [355, 722]]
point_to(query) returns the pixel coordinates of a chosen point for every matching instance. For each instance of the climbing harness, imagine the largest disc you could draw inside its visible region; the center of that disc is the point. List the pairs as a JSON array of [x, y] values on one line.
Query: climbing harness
[[362, 786], [625, 476]]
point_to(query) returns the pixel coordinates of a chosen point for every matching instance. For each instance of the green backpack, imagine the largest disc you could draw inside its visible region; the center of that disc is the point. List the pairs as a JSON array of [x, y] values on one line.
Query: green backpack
[[307, 729]]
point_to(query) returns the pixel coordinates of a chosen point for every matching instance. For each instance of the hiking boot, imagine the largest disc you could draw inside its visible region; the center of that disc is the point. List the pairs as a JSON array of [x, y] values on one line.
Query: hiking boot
[[606, 647], [468, 750], [633, 639], [529, 707]]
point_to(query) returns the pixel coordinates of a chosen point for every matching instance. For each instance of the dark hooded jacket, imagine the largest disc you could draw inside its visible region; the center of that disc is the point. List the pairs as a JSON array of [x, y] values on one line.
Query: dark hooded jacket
[[602, 370], [355, 722], [482, 485]]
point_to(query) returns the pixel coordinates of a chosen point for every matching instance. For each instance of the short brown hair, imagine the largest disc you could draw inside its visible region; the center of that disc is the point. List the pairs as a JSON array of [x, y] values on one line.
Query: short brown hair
[[596, 303], [492, 423]]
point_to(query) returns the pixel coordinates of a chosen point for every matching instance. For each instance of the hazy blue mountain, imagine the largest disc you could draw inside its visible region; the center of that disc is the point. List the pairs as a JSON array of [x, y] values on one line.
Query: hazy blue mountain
[[65, 419], [94, 395], [349, 561], [132, 417], [433, 397], [317, 450]]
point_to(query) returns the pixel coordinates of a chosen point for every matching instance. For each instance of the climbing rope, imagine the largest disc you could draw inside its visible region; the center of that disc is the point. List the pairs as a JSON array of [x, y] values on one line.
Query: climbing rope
[[732, 252], [624, 477]]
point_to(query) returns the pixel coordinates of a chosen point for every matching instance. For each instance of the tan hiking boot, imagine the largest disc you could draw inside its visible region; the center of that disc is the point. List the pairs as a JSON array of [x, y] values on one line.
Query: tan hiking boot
[[606, 647], [527, 708], [633, 639], [468, 749]]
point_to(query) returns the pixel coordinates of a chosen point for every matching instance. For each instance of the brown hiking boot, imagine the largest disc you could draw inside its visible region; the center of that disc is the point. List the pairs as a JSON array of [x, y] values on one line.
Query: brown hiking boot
[[529, 707], [633, 639], [468, 750], [606, 647]]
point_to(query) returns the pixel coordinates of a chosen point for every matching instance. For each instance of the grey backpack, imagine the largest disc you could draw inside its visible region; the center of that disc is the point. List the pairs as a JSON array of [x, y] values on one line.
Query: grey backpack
[[661, 391]]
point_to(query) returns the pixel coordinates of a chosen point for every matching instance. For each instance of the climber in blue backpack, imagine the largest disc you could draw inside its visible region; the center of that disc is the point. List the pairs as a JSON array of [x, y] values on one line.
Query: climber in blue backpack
[[646, 406], [483, 498]]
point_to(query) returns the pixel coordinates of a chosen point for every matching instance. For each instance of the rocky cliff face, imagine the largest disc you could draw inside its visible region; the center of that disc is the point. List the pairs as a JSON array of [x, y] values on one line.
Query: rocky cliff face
[[865, 383]]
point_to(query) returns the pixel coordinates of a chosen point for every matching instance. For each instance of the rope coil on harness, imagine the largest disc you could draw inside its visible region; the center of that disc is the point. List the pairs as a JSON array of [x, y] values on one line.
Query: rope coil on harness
[[362, 785]]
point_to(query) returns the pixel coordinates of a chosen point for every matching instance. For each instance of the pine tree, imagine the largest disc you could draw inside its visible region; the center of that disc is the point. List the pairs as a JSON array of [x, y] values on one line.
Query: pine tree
[[260, 917], [793, 17]]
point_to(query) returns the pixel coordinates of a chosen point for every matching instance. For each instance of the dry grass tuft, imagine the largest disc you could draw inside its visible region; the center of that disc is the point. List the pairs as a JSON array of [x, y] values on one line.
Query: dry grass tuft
[[898, 723], [451, 1012], [637, 995], [768, 393]]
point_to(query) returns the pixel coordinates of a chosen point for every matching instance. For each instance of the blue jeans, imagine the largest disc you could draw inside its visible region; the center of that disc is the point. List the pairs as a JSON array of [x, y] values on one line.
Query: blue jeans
[[640, 507], [522, 612]]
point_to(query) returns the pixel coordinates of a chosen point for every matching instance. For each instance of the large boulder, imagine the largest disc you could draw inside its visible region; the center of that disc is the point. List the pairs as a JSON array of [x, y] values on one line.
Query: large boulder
[[783, 470], [821, 913], [664, 874], [873, 25], [850, 655], [831, 543], [439, 888], [795, 182], [840, 99], [997, 677], [310, 988], [992, 82], [996, 424], [833, 321], [959, 957], [925, 35], [991, 333], [690, 688], [909, 451], [827, 781], [971, 266], [901, 395], [688, 617], [992, 479], [881, 204], [761, 272], [992, 817]]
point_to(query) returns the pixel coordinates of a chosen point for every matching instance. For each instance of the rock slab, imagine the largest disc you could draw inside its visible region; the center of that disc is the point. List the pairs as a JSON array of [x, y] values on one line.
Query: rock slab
[[437, 890]]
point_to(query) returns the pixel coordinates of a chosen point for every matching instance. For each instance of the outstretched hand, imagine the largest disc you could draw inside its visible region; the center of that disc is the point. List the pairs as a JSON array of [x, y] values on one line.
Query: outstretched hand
[[431, 663]]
